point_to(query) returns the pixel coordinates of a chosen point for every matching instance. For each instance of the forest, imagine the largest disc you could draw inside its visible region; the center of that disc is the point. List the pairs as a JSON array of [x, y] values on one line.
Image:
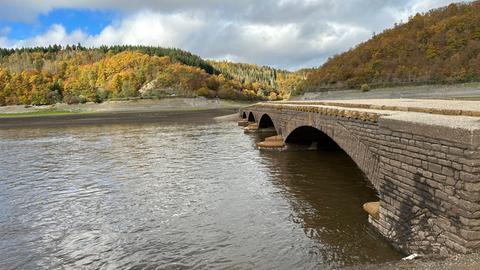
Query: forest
[[441, 46], [75, 74], [284, 82]]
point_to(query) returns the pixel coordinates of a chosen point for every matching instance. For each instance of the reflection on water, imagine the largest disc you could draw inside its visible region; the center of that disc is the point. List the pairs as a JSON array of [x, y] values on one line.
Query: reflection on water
[[177, 197]]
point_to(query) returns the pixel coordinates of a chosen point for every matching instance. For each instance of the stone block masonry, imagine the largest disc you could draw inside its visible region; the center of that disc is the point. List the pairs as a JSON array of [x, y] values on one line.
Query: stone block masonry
[[423, 161]]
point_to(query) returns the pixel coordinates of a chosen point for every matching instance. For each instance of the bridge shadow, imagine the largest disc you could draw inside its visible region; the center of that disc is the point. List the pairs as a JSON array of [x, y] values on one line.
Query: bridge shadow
[[326, 191], [413, 216]]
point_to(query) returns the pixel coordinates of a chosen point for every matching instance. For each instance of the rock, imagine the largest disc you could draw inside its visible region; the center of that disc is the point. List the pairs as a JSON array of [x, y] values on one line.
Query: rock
[[373, 209]]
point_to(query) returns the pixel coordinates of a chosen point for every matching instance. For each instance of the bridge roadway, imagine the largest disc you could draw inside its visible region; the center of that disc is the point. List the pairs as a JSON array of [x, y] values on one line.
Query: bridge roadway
[[421, 156]]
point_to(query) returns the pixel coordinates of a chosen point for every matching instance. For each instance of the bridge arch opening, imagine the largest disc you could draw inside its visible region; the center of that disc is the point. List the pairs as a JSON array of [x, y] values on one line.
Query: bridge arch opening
[[315, 139], [244, 115], [251, 117], [310, 136], [266, 122]]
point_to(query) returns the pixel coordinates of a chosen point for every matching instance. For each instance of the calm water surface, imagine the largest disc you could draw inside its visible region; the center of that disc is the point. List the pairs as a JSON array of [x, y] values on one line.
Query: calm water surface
[[185, 196]]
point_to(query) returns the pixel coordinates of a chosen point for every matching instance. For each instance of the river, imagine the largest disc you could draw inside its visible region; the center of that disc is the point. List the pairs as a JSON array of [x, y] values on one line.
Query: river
[[185, 195]]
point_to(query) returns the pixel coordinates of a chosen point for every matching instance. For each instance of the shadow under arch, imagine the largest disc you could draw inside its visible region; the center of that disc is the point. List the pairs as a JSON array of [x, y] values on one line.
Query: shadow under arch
[[251, 117], [326, 191], [266, 122], [313, 137], [316, 139], [244, 115]]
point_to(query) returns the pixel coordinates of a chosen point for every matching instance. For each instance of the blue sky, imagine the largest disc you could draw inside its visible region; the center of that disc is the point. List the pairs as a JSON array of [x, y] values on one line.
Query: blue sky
[[288, 34], [89, 21]]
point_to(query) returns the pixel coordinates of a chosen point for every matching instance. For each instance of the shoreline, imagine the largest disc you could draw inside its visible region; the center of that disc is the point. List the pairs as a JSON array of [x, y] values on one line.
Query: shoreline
[[453, 262], [148, 111], [107, 118], [139, 105]]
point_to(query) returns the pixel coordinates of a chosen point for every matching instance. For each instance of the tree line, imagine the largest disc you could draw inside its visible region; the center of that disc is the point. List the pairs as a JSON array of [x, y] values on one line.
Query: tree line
[[75, 74], [284, 82]]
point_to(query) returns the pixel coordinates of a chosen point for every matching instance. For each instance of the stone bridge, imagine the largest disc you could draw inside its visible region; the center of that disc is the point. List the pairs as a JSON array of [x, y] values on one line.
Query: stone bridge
[[421, 156]]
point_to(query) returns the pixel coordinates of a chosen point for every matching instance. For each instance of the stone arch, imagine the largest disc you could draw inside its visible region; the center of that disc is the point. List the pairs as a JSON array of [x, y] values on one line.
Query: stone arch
[[266, 122], [251, 117], [308, 135], [337, 135]]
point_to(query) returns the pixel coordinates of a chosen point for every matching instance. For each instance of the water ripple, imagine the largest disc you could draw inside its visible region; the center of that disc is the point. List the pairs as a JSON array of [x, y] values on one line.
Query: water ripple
[[191, 196]]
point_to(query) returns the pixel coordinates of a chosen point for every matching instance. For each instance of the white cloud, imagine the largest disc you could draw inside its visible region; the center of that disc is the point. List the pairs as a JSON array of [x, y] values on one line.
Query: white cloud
[[286, 33], [148, 28], [55, 35], [144, 28]]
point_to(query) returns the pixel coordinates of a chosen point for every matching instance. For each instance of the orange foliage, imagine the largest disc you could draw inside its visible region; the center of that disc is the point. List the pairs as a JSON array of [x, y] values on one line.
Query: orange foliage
[[440, 46]]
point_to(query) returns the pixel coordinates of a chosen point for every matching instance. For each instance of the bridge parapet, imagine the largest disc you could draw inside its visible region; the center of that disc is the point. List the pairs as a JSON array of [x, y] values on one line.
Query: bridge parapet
[[425, 165]]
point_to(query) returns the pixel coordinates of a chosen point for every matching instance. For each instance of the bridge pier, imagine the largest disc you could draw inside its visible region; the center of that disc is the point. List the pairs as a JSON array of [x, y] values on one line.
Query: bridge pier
[[423, 162], [243, 123], [373, 209], [272, 143], [251, 128]]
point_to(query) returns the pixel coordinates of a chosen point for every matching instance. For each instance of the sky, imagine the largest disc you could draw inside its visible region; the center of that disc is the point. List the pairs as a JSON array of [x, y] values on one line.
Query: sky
[[287, 34]]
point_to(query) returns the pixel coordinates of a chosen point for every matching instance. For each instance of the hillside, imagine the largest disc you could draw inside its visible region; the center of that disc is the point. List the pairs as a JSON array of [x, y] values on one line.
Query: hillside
[[438, 47], [284, 82], [41, 76]]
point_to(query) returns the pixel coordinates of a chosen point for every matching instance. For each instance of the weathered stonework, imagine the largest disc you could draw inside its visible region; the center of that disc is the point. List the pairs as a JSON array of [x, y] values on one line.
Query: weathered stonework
[[427, 174]]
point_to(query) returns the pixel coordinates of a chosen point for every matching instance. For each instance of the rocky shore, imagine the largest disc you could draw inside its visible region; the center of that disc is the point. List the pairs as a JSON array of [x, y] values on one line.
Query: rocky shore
[[457, 262]]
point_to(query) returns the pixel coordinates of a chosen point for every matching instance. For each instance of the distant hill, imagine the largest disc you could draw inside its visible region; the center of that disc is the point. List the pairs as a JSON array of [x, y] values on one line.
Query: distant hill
[[284, 82], [75, 74], [440, 46]]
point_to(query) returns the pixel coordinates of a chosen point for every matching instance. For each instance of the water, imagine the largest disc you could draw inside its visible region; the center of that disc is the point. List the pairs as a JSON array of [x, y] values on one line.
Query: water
[[177, 196]]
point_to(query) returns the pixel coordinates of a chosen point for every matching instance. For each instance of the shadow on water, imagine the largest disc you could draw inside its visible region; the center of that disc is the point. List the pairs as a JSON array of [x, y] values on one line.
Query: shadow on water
[[326, 191]]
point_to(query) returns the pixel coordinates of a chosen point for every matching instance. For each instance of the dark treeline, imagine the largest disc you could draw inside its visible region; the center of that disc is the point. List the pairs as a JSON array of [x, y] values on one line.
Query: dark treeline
[[176, 55]]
